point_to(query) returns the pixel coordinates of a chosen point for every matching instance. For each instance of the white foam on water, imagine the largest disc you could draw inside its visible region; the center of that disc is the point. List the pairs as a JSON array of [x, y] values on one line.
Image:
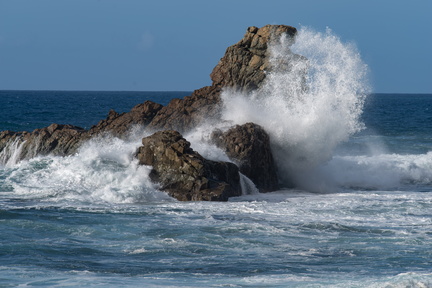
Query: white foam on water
[[380, 171], [103, 171]]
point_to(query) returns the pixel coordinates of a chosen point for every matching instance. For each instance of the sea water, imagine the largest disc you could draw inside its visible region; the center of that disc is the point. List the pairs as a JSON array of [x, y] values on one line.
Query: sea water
[[360, 215]]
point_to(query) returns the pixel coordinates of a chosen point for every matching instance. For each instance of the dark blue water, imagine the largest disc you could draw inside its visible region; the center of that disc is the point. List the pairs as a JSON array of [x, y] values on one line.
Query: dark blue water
[[400, 119], [94, 219], [28, 110]]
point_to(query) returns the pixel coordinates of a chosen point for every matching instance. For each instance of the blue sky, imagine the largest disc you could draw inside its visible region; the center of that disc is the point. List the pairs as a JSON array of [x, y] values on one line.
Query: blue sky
[[174, 45]]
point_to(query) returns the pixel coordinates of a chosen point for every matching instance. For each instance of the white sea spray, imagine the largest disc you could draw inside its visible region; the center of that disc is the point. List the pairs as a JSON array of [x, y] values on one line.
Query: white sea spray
[[306, 115]]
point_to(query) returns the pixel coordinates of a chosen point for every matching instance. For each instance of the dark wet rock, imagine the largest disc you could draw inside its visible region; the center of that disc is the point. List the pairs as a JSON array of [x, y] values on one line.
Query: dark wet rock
[[184, 173], [55, 139], [248, 146]]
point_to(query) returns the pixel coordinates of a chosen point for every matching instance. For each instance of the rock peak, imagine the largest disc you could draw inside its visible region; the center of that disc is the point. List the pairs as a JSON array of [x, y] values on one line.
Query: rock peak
[[244, 64]]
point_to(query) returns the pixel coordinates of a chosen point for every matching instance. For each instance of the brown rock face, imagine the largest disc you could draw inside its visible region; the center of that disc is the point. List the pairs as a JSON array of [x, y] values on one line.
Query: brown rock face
[[55, 139], [184, 173], [244, 65], [249, 146], [62, 140], [184, 114], [119, 124], [242, 68]]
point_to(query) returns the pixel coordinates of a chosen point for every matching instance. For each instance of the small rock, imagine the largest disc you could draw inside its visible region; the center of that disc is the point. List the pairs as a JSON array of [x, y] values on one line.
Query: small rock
[[248, 145]]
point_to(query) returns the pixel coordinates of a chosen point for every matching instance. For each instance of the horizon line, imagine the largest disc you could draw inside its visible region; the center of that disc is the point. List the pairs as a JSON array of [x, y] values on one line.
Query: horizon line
[[92, 90]]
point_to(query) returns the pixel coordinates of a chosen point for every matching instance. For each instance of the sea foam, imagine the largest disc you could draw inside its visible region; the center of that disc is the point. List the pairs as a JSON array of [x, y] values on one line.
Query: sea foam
[[103, 171]]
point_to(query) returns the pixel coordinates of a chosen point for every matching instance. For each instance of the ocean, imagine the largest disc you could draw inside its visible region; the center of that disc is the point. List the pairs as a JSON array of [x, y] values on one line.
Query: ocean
[[360, 214], [83, 220]]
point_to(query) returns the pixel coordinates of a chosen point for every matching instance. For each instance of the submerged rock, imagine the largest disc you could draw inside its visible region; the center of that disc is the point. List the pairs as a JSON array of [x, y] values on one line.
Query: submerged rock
[[184, 173], [248, 146]]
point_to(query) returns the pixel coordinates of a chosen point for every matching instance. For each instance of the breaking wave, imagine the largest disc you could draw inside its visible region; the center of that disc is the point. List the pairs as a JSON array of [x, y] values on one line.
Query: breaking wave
[[103, 171], [309, 106]]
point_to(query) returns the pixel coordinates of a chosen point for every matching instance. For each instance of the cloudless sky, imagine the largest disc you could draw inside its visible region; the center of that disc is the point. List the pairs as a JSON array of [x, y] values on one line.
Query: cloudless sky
[[163, 45]]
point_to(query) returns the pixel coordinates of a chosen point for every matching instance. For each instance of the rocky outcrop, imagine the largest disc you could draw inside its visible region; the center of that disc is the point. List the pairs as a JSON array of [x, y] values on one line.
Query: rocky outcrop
[[244, 65], [184, 173], [248, 146], [120, 124], [60, 140], [242, 68], [179, 170], [184, 114]]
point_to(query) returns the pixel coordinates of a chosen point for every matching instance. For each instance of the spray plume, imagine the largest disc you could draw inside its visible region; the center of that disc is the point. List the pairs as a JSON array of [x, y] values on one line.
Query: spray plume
[[308, 104]]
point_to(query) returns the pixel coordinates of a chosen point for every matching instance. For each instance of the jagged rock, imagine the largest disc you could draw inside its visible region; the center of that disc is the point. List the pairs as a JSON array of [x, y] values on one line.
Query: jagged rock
[[183, 114], [248, 146], [184, 173], [245, 63], [55, 139], [119, 124], [62, 140], [242, 68]]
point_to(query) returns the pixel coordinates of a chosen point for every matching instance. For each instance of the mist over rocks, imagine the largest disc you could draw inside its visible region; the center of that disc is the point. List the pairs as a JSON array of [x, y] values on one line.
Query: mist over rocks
[[176, 167]]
